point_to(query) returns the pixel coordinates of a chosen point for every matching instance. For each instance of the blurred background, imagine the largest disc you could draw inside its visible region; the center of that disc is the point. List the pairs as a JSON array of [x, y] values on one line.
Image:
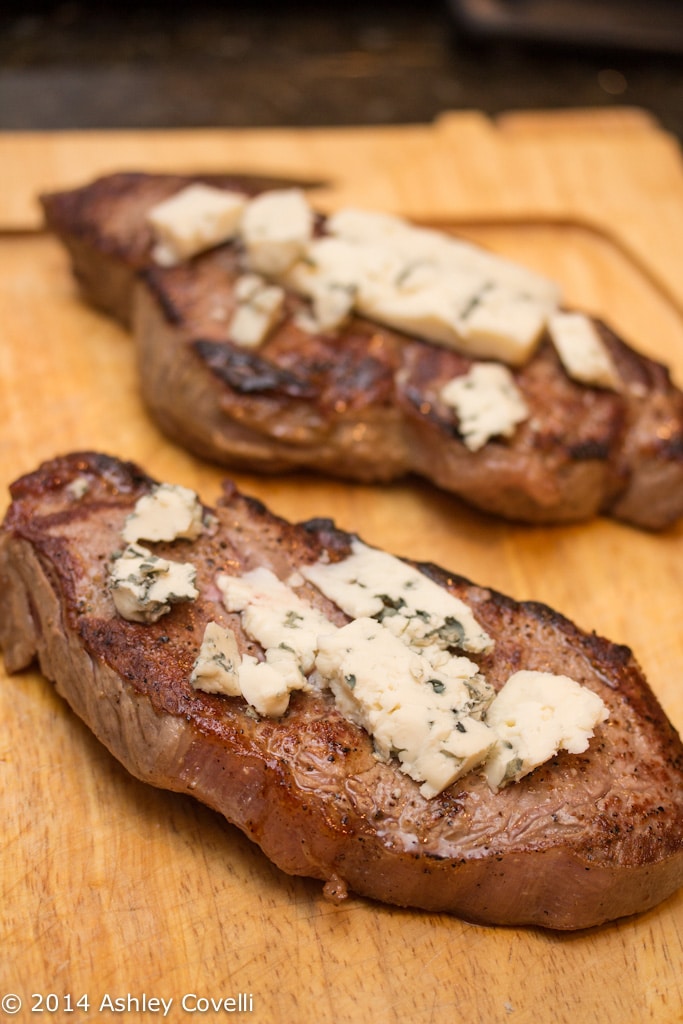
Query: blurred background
[[74, 64]]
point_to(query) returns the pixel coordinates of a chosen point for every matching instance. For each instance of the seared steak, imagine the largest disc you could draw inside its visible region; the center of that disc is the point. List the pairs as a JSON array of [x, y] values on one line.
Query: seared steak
[[363, 403], [583, 839]]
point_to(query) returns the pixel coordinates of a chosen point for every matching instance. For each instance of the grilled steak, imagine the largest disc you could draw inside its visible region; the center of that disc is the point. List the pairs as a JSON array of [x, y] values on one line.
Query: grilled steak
[[364, 402], [583, 839]]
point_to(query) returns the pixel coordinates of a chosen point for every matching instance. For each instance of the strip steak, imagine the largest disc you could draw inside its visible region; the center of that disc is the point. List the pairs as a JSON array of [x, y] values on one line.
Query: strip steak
[[582, 840], [363, 404]]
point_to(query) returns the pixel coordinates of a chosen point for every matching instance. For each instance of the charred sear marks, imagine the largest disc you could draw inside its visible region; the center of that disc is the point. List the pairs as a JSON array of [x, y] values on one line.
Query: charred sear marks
[[249, 374]]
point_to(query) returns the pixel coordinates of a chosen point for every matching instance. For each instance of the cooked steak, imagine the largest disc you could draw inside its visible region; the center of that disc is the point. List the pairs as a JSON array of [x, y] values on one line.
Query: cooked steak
[[365, 401], [580, 840]]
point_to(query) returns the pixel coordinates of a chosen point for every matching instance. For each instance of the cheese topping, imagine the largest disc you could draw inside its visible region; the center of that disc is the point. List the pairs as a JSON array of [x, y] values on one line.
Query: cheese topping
[[417, 280], [371, 582], [582, 350], [266, 685], [216, 668], [193, 220], [422, 682], [275, 229], [392, 669], [463, 299], [422, 716], [332, 302], [273, 614], [287, 629], [169, 512], [487, 403], [259, 307], [535, 715], [426, 246], [144, 586], [424, 282]]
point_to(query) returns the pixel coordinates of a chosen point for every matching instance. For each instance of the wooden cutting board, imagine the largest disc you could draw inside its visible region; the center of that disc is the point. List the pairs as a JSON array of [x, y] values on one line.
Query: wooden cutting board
[[113, 890]]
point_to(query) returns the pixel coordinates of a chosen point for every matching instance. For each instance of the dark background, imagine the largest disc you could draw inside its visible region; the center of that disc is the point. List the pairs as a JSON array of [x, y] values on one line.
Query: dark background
[[91, 65]]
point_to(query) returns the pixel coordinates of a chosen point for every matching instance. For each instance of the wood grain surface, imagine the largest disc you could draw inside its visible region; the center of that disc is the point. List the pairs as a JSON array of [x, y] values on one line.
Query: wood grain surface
[[115, 890]]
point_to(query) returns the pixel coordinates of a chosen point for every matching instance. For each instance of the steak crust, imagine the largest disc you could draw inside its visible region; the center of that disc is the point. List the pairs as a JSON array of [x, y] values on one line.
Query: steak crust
[[582, 840], [363, 404]]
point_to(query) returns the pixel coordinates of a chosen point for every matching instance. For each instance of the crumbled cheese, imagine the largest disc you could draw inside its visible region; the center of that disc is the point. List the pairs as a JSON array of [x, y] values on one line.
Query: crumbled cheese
[[432, 722], [266, 685], [284, 625], [263, 687], [426, 246], [78, 487], [273, 614], [259, 307], [418, 280], [169, 512], [487, 403], [329, 261], [275, 229], [414, 279], [582, 351], [433, 311], [535, 715], [332, 303], [501, 324], [216, 668], [392, 670], [427, 284], [371, 582], [144, 586], [419, 715], [194, 219], [440, 288]]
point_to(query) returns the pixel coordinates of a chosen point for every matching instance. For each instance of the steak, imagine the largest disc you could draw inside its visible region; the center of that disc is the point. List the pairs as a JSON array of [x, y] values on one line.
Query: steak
[[583, 839], [364, 402]]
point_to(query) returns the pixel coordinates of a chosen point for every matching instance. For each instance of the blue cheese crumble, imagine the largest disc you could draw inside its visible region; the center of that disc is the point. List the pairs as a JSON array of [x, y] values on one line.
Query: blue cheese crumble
[[535, 715], [371, 582], [394, 670], [425, 282], [259, 307], [487, 403], [424, 717], [144, 586], [193, 220], [285, 626], [216, 667], [169, 512]]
